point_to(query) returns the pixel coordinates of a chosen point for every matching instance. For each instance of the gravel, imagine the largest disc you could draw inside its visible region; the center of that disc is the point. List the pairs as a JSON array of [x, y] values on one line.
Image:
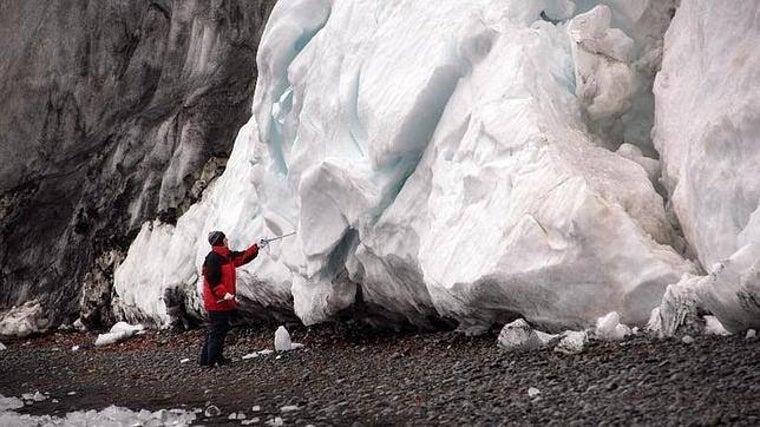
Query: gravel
[[371, 378]]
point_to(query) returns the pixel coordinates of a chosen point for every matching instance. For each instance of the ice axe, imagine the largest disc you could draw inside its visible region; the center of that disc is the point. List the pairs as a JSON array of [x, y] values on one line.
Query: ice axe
[[265, 242]]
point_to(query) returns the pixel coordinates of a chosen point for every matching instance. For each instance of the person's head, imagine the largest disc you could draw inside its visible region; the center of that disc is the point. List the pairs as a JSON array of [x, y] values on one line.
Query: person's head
[[217, 238]]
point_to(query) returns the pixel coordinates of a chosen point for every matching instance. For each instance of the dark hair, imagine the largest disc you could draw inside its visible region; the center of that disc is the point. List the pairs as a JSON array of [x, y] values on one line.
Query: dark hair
[[215, 238]]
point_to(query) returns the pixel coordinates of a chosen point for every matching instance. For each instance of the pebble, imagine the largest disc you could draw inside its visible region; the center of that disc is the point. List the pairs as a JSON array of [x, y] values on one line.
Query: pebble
[[424, 383], [212, 411]]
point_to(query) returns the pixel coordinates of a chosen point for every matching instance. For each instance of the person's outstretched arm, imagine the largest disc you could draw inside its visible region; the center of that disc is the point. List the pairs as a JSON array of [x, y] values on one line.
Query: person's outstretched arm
[[243, 257]]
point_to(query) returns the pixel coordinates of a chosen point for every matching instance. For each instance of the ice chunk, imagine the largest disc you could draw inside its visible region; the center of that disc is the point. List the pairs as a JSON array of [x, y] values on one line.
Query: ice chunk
[[604, 79], [571, 342], [519, 335], [730, 292], [24, 320], [610, 328], [2, 346], [118, 332], [545, 338], [282, 340], [678, 310], [654, 325], [111, 415], [714, 327], [533, 392], [34, 397], [212, 411], [8, 403]]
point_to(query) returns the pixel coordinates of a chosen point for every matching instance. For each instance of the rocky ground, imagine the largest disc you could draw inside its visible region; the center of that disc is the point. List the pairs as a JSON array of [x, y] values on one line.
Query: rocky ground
[[371, 379]]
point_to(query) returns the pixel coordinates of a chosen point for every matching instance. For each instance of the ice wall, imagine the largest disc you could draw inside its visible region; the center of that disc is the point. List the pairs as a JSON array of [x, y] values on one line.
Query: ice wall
[[437, 160], [708, 124], [708, 133]]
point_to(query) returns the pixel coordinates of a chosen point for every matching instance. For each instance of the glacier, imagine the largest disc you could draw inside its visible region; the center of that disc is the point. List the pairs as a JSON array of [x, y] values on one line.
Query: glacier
[[478, 162], [709, 165]]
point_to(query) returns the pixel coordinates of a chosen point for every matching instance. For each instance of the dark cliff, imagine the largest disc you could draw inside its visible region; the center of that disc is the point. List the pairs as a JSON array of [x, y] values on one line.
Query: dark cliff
[[109, 112]]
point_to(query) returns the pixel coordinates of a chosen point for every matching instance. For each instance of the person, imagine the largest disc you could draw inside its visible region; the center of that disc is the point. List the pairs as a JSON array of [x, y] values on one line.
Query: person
[[219, 293]]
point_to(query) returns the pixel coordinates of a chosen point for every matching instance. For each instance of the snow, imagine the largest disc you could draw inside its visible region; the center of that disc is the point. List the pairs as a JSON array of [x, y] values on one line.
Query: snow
[[108, 417], [119, 332], [474, 161], [24, 320], [10, 403]]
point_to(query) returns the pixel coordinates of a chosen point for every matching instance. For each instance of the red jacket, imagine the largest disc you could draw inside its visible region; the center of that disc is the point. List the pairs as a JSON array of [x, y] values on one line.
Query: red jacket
[[219, 276]]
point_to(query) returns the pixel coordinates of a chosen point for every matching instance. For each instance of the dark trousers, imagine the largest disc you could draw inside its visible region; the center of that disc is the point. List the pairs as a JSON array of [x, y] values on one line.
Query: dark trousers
[[213, 347]]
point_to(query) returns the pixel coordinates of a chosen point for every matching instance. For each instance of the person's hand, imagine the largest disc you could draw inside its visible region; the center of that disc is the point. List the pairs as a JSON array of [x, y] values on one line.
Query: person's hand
[[263, 243], [228, 296]]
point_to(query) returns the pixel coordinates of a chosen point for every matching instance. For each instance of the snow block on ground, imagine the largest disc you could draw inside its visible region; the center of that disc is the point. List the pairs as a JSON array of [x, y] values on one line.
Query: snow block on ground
[[571, 342], [518, 336], [24, 320], [120, 331], [610, 328], [282, 339]]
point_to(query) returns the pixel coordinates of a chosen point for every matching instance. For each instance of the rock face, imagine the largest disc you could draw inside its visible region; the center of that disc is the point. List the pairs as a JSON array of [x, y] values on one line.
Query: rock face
[[109, 111]]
